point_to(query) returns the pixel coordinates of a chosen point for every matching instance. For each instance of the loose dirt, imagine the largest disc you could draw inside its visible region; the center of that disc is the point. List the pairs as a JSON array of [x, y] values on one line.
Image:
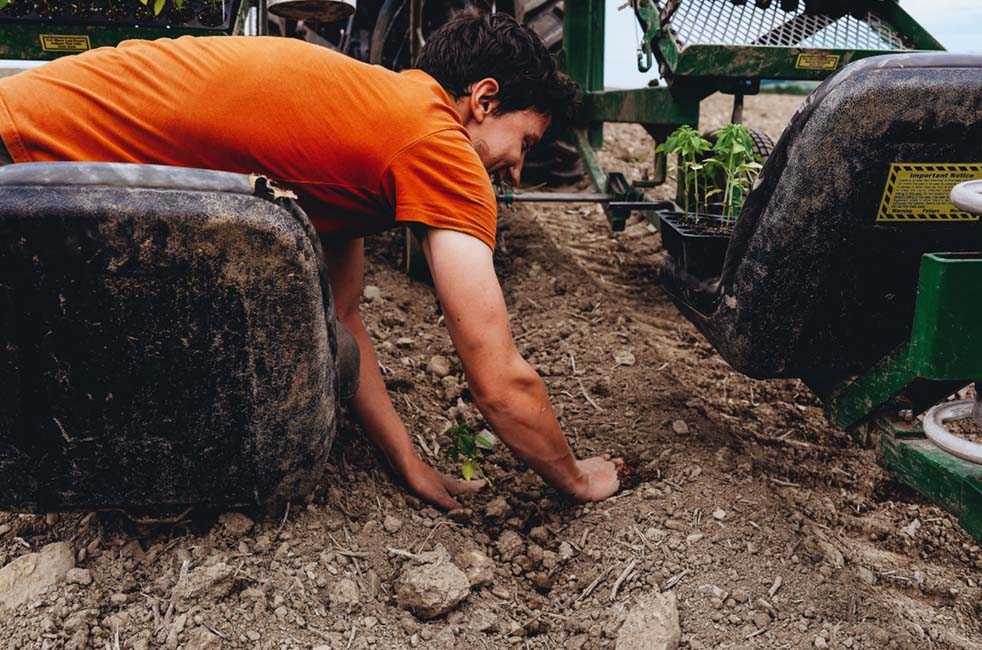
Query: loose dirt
[[773, 529]]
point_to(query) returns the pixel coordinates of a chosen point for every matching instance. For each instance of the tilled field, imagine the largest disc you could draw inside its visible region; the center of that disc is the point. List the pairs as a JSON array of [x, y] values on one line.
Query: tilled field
[[761, 525]]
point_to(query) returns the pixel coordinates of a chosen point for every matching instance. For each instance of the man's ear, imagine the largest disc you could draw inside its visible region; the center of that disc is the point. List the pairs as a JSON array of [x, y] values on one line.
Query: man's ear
[[483, 98]]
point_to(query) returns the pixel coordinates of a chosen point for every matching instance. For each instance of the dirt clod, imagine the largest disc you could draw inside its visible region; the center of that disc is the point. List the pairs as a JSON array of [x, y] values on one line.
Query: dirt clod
[[431, 586]]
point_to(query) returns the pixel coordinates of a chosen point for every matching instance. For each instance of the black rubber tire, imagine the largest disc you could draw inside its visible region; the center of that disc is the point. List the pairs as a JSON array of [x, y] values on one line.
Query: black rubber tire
[[545, 17], [556, 163]]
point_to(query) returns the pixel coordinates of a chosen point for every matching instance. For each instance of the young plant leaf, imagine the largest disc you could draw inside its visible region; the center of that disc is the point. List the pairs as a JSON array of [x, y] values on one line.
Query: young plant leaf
[[483, 442], [468, 469], [158, 6]]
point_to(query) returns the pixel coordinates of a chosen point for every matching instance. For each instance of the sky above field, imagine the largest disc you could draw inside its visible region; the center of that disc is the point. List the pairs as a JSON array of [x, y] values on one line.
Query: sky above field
[[956, 23]]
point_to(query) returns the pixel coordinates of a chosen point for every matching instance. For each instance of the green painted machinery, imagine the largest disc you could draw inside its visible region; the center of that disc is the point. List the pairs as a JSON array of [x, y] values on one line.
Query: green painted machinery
[[47, 29], [706, 46], [875, 307]]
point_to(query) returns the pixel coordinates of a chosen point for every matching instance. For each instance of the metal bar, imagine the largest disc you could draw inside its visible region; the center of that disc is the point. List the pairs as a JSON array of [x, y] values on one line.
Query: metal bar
[[741, 62], [555, 197], [908, 28], [593, 169], [952, 483], [583, 51], [263, 17], [649, 106]]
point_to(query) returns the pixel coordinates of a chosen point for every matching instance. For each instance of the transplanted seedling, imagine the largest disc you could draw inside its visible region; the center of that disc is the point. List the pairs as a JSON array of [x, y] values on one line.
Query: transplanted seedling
[[467, 446]]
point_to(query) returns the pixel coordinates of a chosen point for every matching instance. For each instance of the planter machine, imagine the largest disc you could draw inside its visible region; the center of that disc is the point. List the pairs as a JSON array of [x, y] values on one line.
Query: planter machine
[[849, 267]]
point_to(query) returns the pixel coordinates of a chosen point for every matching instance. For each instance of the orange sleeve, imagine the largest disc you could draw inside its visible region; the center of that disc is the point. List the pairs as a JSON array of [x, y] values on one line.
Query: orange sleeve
[[439, 181]]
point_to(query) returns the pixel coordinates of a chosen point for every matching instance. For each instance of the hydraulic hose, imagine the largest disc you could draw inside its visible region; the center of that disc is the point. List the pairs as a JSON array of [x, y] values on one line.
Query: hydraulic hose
[[934, 428]]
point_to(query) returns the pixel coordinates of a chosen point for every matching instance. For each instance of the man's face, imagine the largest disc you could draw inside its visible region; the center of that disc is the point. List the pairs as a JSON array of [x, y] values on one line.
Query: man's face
[[503, 139]]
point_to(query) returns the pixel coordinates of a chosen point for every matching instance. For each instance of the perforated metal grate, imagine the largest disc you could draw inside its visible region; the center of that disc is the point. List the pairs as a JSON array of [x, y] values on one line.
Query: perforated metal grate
[[719, 22]]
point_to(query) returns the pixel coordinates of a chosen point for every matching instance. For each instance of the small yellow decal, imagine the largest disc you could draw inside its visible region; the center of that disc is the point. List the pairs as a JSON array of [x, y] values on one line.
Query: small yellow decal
[[817, 62], [64, 43], [921, 192]]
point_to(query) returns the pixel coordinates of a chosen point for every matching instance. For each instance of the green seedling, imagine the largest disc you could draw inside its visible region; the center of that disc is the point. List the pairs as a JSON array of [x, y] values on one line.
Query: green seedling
[[467, 446], [734, 154], [689, 145]]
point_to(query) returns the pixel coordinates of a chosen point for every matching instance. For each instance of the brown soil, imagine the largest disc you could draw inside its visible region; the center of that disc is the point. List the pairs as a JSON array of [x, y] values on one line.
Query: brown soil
[[774, 529]]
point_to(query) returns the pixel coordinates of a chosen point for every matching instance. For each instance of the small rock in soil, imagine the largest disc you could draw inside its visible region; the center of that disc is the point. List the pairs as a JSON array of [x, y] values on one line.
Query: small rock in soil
[[26, 577], [202, 638], [680, 427], [391, 524], [371, 293], [539, 534], [213, 582], [483, 620], [624, 358], [461, 516], [510, 545], [432, 587], [79, 577], [652, 624], [497, 508], [565, 552], [133, 550], [719, 514], [344, 595], [439, 365], [235, 523], [477, 566]]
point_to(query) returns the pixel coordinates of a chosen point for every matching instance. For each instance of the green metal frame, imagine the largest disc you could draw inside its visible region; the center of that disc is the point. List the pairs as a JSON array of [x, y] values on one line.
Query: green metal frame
[[22, 41], [692, 73], [952, 483], [945, 345], [711, 64], [944, 353]]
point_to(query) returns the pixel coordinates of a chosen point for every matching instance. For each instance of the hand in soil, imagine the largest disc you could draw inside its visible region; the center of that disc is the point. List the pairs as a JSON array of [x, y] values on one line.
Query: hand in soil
[[599, 478], [438, 488]]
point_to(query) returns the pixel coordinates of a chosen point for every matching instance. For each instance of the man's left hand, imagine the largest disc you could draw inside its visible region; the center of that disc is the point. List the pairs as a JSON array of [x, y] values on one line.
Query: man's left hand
[[437, 488]]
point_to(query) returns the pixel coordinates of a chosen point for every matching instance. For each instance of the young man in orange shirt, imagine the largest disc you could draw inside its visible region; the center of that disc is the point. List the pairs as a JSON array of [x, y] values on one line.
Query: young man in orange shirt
[[365, 149]]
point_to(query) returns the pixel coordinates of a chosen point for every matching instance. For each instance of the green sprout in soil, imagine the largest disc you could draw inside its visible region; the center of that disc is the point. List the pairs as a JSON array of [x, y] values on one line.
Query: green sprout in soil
[[467, 446]]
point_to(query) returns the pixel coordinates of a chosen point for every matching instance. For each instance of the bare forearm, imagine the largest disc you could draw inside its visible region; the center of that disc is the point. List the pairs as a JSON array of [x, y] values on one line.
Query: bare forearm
[[519, 411], [374, 409]]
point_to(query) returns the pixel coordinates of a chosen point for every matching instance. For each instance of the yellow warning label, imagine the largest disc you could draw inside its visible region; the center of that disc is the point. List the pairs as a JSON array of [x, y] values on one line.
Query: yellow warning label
[[64, 43], [817, 61], [920, 193]]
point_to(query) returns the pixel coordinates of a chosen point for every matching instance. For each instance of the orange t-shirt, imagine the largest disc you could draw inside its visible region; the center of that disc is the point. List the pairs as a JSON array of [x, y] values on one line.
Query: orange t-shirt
[[363, 147]]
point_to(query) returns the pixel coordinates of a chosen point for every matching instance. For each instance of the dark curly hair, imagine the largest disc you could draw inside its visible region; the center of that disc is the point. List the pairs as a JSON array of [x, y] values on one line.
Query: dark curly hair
[[472, 46]]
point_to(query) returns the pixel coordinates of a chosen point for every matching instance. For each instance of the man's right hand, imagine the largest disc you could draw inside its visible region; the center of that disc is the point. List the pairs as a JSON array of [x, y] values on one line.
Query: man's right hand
[[599, 478]]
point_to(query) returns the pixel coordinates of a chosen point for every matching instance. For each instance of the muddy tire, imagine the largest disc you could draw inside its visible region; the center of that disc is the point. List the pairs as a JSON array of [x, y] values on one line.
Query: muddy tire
[[557, 163]]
